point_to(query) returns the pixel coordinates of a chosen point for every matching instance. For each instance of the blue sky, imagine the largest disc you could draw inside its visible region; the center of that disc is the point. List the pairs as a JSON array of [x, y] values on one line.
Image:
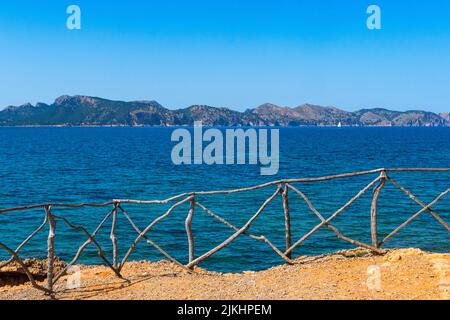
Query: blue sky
[[235, 54]]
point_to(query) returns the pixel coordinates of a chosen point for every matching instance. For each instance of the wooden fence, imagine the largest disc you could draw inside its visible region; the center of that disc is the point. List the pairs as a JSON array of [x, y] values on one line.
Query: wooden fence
[[283, 188]]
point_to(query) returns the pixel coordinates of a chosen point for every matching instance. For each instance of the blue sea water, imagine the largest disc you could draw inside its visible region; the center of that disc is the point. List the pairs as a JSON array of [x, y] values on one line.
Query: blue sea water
[[77, 165]]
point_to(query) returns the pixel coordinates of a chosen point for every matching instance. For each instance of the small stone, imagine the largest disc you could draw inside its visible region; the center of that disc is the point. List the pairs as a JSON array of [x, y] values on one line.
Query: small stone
[[394, 257]]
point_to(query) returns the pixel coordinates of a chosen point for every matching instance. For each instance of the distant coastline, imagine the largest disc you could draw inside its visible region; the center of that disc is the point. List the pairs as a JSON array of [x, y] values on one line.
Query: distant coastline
[[85, 111], [213, 126]]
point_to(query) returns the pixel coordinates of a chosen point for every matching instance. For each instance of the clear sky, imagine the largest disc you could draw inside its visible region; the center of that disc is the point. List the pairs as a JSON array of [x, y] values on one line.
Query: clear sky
[[231, 53]]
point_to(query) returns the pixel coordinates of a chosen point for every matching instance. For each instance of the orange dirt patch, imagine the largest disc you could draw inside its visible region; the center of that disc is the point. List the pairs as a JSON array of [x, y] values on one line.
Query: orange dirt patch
[[356, 274]]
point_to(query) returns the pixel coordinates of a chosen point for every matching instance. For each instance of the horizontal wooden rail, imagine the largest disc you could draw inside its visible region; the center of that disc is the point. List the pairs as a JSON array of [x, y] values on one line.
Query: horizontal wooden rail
[[280, 188], [221, 192]]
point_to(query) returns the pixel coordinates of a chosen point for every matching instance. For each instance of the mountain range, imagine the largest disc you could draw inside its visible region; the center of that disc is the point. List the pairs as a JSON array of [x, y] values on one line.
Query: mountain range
[[92, 111]]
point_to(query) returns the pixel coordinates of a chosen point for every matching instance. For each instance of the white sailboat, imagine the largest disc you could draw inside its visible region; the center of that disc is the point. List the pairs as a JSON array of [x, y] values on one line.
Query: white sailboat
[[339, 125]]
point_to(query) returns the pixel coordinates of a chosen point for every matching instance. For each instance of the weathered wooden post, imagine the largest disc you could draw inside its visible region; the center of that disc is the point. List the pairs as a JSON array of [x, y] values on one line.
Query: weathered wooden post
[[189, 229], [287, 219], [50, 248], [374, 209], [114, 238]]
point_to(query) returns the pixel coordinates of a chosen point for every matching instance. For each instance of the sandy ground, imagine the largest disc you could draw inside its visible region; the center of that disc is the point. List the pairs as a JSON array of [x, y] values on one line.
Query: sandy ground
[[400, 274]]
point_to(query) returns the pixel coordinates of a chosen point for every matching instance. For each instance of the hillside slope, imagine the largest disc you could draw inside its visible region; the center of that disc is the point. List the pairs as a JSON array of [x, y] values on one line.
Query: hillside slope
[[84, 110]]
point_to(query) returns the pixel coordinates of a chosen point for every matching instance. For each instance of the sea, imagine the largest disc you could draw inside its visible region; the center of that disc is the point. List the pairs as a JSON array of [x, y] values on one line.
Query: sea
[[97, 164]]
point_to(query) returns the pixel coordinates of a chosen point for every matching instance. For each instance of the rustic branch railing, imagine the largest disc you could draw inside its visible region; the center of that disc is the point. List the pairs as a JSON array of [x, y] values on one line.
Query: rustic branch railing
[[282, 188]]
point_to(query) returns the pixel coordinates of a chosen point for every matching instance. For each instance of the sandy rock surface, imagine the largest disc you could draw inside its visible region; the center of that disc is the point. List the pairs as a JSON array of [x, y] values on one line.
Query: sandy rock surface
[[355, 274]]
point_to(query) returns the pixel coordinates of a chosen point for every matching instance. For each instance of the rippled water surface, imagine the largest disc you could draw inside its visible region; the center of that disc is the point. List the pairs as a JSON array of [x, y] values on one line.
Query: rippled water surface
[[74, 165]]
